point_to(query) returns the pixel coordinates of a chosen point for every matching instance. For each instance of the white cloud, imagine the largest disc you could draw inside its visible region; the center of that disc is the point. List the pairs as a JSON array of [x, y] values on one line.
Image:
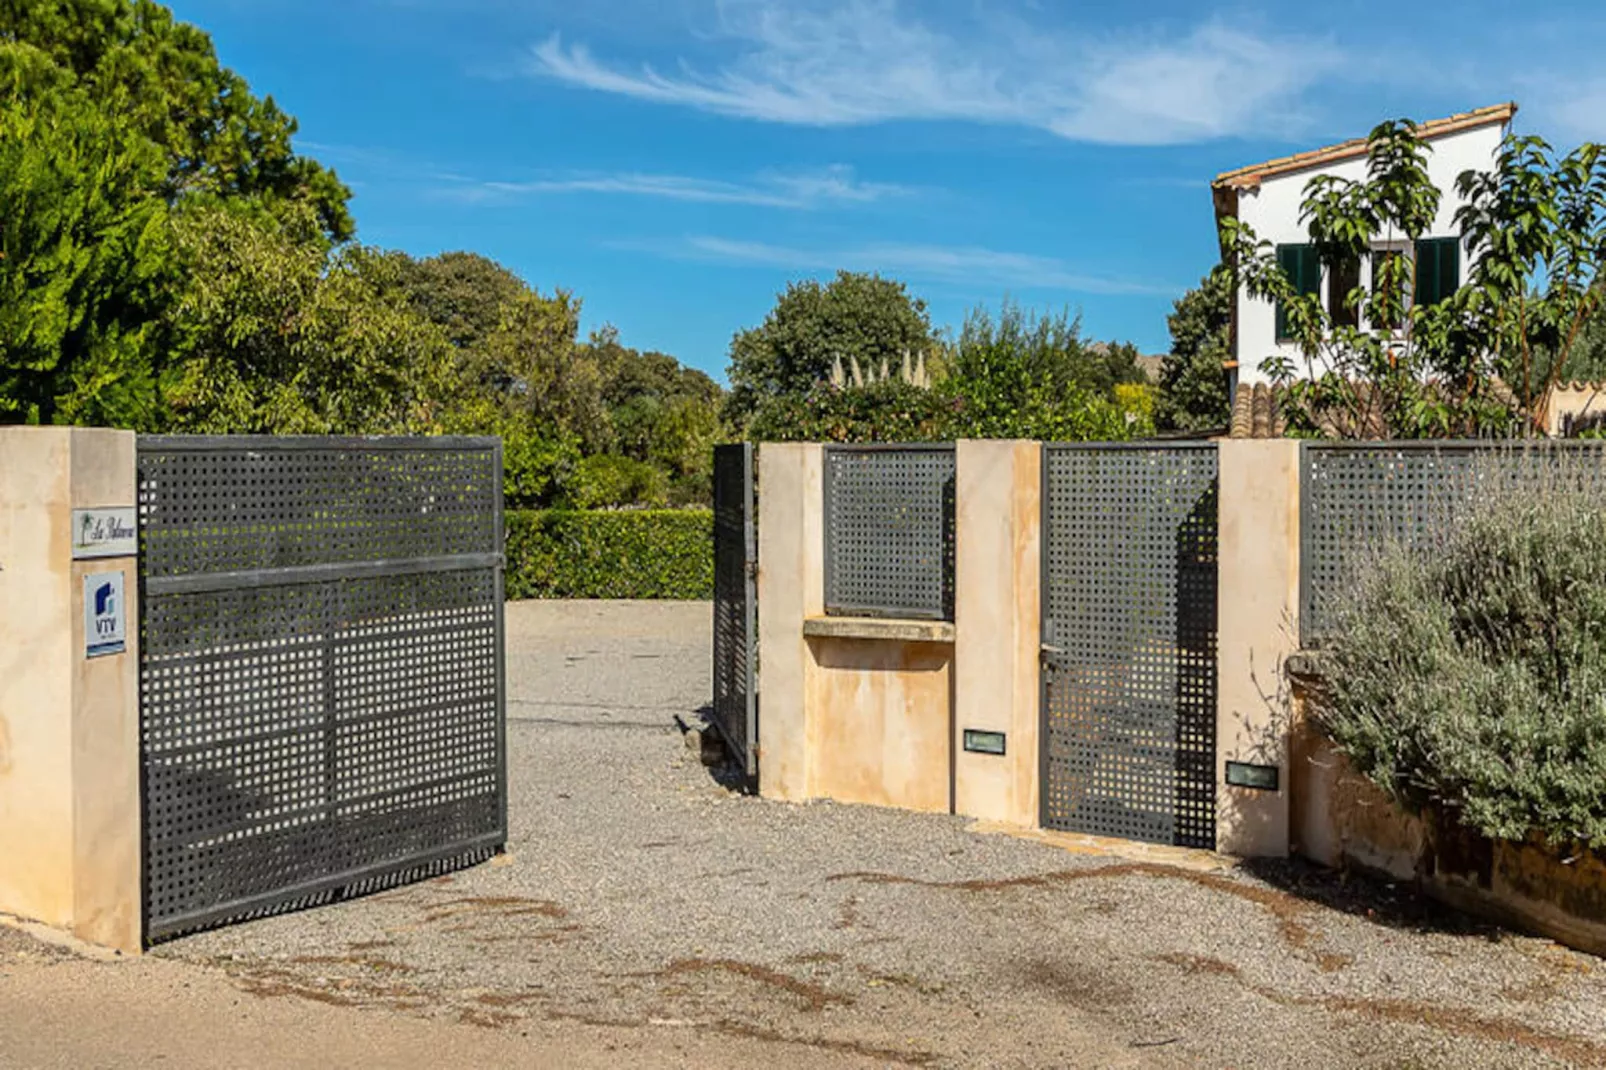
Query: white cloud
[[965, 265], [795, 190], [1570, 111], [850, 62]]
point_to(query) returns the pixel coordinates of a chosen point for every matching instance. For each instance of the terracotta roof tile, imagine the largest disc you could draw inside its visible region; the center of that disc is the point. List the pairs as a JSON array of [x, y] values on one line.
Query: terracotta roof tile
[[1251, 176]]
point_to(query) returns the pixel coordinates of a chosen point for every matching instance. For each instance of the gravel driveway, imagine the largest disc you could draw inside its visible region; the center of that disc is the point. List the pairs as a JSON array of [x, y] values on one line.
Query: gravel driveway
[[640, 893]]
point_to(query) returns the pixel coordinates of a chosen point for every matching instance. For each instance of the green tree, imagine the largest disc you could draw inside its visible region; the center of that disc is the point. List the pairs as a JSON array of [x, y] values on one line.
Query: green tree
[[854, 316], [279, 336], [1193, 376], [83, 254], [1030, 375], [162, 78], [463, 293]]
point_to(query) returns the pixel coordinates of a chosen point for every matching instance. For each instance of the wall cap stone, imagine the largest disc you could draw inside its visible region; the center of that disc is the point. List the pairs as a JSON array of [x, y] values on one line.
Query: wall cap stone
[[895, 630]]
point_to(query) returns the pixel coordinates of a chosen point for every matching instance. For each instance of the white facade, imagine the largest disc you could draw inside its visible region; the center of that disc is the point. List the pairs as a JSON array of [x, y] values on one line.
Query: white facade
[[1269, 198]]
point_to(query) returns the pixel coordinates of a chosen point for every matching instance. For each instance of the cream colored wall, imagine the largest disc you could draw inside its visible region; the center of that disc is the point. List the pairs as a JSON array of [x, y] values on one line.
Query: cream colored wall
[[69, 742], [880, 722], [1258, 600], [36, 674], [998, 617], [791, 588]]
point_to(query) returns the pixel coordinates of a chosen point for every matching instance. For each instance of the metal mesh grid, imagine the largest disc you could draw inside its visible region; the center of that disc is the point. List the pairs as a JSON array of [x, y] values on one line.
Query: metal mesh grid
[[889, 531], [322, 699], [1358, 497], [1129, 633], [735, 603]]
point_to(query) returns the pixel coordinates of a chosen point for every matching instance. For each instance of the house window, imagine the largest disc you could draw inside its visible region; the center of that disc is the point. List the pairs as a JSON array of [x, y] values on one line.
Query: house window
[[1438, 269], [1304, 270], [1344, 277]]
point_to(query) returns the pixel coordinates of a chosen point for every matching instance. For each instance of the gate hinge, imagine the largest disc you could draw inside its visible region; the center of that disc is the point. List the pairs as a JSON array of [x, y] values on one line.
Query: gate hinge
[[752, 569]]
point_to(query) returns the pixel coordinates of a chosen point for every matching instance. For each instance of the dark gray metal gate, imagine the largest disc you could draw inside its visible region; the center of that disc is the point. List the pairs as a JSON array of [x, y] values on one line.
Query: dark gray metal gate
[[322, 700], [1129, 641], [736, 604]]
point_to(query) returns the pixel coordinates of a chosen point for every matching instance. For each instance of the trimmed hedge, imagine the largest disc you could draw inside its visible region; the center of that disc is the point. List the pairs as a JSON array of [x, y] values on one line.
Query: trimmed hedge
[[645, 553]]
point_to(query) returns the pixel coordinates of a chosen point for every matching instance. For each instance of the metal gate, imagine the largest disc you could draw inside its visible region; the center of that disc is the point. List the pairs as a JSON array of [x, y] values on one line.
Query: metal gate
[[1129, 642], [735, 604], [322, 701]]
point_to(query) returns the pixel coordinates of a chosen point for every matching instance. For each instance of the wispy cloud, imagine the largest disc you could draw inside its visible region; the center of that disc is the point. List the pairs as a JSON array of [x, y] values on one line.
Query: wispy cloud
[[850, 62], [835, 185], [969, 266]]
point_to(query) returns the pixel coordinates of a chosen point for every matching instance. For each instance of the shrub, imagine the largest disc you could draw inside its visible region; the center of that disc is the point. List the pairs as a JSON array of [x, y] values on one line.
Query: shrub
[[609, 481], [660, 553], [1468, 680]]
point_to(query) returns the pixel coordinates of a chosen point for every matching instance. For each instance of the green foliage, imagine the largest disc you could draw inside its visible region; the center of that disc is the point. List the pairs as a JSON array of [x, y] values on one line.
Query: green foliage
[[890, 411], [277, 336], [612, 554], [1193, 376], [1481, 361], [609, 481], [162, 80], [1032, 376], [83, 255], [1022, 376], [1467, 679], [857, 316]]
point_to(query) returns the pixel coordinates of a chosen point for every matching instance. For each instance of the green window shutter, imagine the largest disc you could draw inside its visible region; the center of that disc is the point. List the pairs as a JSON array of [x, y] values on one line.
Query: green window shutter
[[1438, 269], [1304, 270]]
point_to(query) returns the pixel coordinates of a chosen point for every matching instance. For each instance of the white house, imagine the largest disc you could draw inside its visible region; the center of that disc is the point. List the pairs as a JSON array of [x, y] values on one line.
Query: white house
[[1267, 196]]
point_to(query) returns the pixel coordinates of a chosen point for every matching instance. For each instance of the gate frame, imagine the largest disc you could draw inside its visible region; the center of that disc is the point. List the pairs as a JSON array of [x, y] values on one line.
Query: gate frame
[[365, 878], [748, 755], [1045, 709]]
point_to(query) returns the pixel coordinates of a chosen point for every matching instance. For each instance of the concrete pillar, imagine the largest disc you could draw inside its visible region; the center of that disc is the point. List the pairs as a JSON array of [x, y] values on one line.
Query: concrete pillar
[[69, 722], [1257, 607], [998, 622], [791, 589]]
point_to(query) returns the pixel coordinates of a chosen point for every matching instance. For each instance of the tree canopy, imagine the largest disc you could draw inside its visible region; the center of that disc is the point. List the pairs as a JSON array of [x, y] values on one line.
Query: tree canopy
[[853, 317], [168, 261], [1193, 375]]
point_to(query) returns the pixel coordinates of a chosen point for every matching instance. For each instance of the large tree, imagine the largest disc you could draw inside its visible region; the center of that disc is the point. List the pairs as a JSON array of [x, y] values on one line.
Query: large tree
[[277, 335], [854, 316], [162, 77], [82, 254], [1193, 375]]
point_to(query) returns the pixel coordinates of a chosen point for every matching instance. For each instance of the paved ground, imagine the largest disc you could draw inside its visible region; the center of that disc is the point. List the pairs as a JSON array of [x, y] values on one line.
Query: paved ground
[[647, 916]]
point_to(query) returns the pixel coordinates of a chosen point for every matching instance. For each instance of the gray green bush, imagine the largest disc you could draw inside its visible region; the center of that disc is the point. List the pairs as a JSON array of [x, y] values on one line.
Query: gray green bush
[[1468, 679]]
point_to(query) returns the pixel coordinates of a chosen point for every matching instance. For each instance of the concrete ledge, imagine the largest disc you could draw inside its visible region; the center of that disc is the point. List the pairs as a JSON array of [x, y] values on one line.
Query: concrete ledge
[[896, 630]]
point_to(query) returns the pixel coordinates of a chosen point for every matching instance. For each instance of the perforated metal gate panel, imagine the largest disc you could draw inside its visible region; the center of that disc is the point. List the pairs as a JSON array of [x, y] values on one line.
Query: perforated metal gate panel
[[1357, 497], [889, 531], [1129, 634], [321, 671], [735, 603]]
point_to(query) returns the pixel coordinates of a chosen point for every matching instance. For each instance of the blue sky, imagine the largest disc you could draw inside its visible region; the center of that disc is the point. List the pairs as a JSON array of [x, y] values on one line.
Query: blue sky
[[676, 162]]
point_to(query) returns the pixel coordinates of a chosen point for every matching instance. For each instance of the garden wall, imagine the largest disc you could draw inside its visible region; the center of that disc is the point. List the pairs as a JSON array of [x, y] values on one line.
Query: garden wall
[[1342, 820]]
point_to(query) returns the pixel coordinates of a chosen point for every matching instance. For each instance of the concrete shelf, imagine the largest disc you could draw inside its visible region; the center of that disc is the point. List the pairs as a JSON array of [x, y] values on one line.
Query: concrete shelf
[[894, 629]]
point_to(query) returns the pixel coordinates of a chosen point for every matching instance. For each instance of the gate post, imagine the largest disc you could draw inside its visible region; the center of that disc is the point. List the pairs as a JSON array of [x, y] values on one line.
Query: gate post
[[69, 683], [1257, 604], [791, 587], [998, 620]]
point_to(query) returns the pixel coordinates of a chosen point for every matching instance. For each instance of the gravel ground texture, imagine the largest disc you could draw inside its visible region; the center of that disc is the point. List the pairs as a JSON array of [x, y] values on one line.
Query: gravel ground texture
[[639, 892]]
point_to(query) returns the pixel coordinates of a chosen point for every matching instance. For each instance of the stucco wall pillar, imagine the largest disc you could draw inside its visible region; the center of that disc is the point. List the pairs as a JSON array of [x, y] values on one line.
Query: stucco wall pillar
[[1257, 604], [998, 621], [69, 723], [791, 588]]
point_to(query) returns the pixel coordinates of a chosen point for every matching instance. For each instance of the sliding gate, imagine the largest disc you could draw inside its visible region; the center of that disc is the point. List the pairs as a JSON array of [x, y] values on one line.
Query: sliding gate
[[321, 673], [1129, 642]]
